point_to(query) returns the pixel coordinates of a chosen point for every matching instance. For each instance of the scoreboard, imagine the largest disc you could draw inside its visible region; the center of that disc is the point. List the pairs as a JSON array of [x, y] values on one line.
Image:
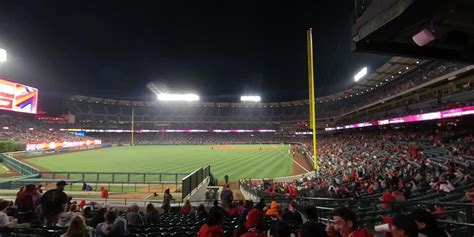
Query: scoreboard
[[17, 97]]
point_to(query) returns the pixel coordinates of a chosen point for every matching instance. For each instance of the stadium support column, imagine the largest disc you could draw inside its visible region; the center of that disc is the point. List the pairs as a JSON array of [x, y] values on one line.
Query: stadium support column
[[312, 109], [132, 130]]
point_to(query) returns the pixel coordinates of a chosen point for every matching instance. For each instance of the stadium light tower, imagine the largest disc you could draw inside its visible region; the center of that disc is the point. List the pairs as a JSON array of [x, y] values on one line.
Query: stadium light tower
[[177, 97], [250, 98], [3, 55], [362, 73]]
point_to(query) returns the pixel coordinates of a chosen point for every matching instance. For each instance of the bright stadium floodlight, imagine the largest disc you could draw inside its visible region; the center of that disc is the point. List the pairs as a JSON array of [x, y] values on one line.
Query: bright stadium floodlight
[[360, 74], [3, 55], [250, 98], [177, 97]]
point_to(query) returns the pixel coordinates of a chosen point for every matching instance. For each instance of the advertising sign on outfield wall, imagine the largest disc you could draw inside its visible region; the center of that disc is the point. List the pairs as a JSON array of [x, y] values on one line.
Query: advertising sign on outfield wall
[[62, 144]]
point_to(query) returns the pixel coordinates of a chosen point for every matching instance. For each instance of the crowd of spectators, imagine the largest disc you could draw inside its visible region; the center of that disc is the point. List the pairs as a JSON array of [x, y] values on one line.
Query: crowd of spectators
[[55, 212], [392, 164], [24, 129], [192, 115], [272, 220]]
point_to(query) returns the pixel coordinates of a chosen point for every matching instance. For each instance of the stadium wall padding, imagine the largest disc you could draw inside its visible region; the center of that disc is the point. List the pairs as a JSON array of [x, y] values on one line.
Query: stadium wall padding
[[27, 172]]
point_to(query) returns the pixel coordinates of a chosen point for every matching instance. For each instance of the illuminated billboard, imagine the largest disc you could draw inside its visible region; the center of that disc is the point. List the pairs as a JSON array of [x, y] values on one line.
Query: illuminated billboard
[[17, 97], [54, 145], [450, 113]]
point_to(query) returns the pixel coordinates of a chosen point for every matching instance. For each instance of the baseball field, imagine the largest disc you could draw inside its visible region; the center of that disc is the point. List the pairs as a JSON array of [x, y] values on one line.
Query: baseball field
[[236, 161]]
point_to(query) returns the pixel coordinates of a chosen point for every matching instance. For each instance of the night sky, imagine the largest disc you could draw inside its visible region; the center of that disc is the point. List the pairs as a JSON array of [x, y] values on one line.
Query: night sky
[[217, 49]]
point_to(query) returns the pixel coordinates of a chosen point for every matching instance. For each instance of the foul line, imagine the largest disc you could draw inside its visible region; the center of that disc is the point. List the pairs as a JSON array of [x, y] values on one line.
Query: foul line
[[291, 158]]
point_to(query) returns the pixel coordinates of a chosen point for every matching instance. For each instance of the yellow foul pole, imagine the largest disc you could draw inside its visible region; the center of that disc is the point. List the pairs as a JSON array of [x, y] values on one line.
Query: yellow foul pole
[[133, 126], [312, 104]]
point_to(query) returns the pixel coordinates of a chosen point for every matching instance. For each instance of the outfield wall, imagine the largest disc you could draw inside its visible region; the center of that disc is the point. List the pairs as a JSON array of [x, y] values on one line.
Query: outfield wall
[[28, 154]]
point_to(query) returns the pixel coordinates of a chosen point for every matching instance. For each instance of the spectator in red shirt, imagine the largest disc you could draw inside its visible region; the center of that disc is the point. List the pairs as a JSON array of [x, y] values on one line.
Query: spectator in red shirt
[[398, 196], [254, 224], [104, 193], [387, 198], [232, 210], [82, 204], [293, 191]]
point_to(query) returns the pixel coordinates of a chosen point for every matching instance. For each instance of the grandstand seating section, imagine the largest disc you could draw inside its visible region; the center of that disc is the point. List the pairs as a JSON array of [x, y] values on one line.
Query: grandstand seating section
[[422, 75], [354, 162], [172, 224], [23, 129]]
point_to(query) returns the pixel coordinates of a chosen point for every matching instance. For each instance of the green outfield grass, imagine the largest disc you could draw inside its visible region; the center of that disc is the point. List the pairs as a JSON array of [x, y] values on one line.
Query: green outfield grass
[[237, 161]]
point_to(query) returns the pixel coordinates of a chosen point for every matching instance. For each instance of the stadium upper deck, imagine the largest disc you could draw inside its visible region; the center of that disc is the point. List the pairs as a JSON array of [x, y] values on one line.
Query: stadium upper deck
[[392, 82]]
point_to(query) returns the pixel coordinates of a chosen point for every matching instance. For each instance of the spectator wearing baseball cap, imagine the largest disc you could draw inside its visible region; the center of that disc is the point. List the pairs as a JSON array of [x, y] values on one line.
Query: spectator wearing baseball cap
[[53, 202], [61, 183]]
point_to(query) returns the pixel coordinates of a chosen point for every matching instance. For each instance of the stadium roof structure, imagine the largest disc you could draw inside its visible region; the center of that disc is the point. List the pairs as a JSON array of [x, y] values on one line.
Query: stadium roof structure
[[97, 100], [393, 69]]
